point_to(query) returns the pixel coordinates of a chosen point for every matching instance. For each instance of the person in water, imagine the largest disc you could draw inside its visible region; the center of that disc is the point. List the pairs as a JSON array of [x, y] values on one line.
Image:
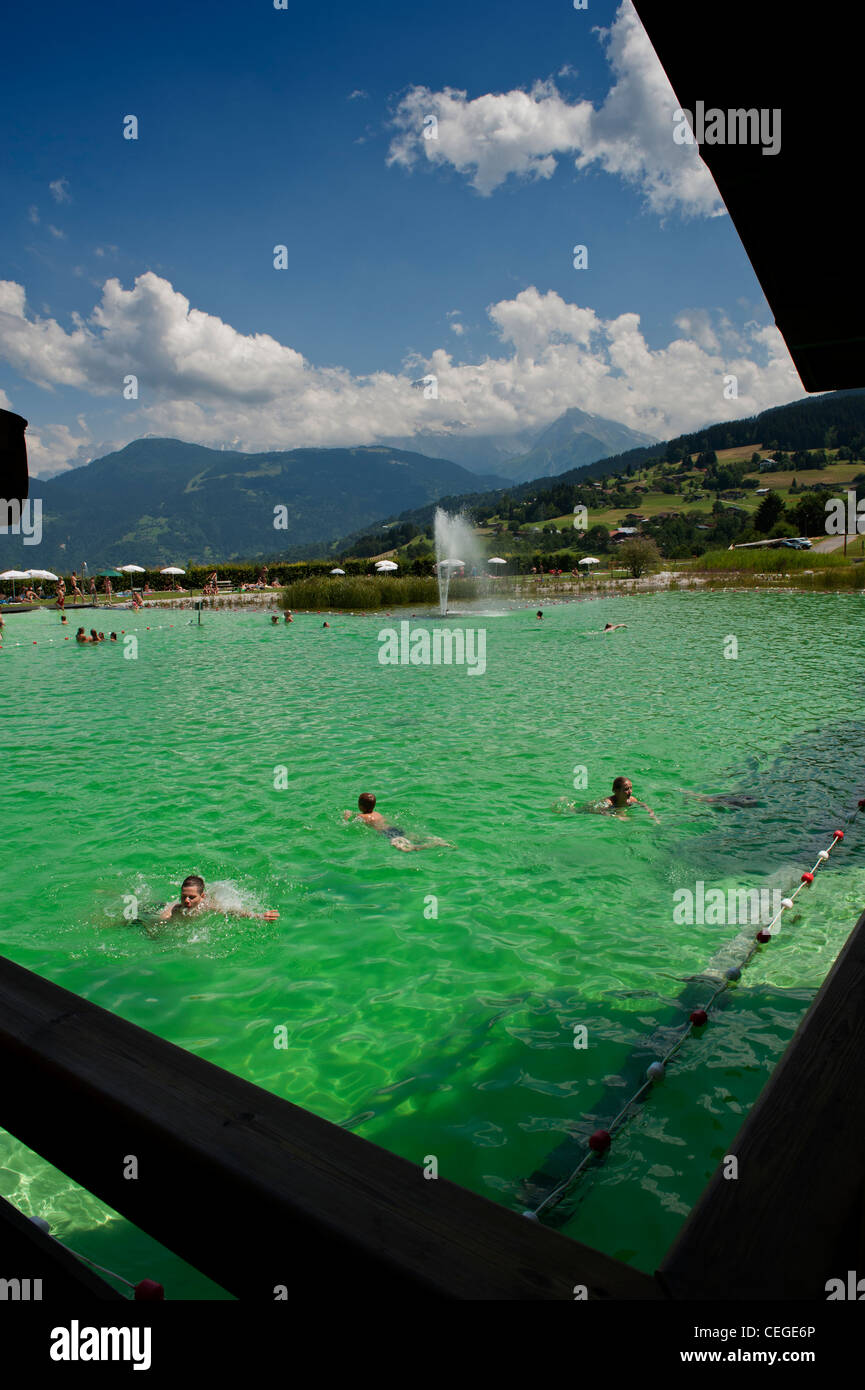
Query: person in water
[[724, 799], [398, 838], [611, 627], [275, 618], [194, 899], [81, 636], [540, 613], [622, 796]]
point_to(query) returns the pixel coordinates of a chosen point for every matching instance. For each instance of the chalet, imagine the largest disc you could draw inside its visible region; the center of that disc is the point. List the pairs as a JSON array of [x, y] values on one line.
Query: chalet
[[624, 533]]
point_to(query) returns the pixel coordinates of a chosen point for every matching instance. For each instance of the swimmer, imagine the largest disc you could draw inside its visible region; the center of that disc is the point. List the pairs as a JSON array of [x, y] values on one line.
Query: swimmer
[[81, 636], [113, 637], [622, 796], [288, 618], [724, 799], [325, 624], [398, 838], [612, 627], [64, 621], [94, 635], [540, 613], [275, 618], [194, 899]]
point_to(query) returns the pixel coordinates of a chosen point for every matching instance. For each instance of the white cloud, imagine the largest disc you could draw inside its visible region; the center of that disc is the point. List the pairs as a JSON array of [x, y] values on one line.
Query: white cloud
[[60, 190], [358, 95], [33, 213], [457, 327], [55, 231], [201, 380], [521, 133], [56, 448]]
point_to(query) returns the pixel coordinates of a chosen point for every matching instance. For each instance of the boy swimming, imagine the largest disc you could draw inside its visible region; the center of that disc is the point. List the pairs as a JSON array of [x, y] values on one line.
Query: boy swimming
[[194, 899], [398, 838]]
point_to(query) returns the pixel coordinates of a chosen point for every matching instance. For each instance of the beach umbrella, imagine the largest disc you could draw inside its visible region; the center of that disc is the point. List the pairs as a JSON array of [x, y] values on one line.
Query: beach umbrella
[[108, 574], [588, 560], [337, 571], [172, 569], [41, 574], [386, 565], [496, 560], [13, 575], [457, 563], [132, 569]]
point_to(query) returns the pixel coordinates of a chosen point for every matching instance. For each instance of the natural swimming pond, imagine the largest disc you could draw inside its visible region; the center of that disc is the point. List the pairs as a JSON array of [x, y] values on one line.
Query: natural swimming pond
[[431, 999]]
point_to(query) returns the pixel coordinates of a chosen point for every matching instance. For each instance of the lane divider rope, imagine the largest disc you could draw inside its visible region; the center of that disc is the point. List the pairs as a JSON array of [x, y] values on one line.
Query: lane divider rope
[[600, 1141]]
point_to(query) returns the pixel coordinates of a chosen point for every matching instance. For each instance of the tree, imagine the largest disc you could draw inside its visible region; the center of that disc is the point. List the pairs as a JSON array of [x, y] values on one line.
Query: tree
[[769, 511], [639, 555], [597, 538], [809, 514]]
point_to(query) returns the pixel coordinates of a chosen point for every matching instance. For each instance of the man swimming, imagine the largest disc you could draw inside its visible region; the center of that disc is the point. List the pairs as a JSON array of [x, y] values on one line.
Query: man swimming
[[622, 796], [398, 838], [194, 899], [612, 627]]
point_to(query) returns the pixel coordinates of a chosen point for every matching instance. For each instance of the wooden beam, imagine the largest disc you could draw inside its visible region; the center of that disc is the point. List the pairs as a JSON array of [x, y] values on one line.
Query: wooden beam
[[255, 1192], [792, 1219], [45, 1271]]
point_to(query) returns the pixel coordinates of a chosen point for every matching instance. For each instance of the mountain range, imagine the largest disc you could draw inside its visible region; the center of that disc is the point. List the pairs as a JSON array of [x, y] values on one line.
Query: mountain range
[[160, 501], [163, 501]]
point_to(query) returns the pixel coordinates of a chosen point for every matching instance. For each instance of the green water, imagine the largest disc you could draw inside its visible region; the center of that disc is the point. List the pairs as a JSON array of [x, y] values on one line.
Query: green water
[[448, 1035]]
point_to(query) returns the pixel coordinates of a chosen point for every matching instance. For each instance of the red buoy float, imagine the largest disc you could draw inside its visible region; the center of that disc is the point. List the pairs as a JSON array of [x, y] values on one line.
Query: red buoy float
[[839, 835], [807, 878], [699, 1017], [600, 1141], [148, 1291], [764, 935]]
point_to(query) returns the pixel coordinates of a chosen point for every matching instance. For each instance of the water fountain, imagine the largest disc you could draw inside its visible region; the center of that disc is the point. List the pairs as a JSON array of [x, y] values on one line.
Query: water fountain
[[454, 541]]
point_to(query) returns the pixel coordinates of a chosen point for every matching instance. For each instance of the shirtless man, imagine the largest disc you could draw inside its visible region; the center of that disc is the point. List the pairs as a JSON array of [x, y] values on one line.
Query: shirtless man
[[81, 636], [622, 796], [193, 899], [611, 627], [398, 838]]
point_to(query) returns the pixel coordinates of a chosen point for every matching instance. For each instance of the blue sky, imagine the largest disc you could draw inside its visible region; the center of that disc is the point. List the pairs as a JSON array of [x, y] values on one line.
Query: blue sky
[[406, 256]]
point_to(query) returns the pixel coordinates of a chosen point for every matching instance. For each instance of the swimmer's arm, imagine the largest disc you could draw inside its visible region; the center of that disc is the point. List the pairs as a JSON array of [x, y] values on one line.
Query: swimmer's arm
[[635, 802], [271, 915], [169, 911]]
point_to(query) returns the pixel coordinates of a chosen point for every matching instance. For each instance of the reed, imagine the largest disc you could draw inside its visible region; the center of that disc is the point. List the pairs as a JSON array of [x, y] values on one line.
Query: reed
[[370, 591]]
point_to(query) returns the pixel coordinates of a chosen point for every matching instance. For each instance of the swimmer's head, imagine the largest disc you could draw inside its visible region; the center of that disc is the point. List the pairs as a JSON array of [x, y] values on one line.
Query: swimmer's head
[[607, 626], [274, 619], [191, 892], [80, 632], [623, 784], [366, 802], [540, 613]]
